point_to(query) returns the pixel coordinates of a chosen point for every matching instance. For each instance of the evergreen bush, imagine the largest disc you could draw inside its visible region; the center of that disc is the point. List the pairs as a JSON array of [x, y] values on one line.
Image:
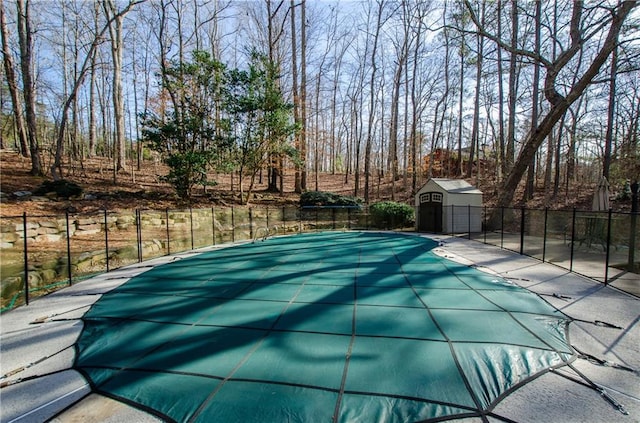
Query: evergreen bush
[[62, 188], [389, 214], [319, 198]]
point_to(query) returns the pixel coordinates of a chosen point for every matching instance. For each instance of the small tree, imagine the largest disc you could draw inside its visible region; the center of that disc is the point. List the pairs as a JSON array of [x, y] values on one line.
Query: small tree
[[262, 121], [192, 133]]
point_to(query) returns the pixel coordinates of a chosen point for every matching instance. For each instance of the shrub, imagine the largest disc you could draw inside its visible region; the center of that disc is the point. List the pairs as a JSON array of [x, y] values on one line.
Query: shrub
[[388, 214], [62, 188], [319, 198]]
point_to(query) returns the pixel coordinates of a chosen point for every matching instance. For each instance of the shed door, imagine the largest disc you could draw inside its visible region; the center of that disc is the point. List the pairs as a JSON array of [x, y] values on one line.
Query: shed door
[[430, 212]]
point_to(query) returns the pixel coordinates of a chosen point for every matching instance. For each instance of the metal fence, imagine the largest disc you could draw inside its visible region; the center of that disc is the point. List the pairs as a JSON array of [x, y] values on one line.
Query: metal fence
[[603, 246], [42, 253], [46, 252]]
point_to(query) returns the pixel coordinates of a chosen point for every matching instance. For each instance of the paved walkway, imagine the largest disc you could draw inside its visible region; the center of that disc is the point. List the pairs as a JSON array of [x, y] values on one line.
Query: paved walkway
[[37, 348]]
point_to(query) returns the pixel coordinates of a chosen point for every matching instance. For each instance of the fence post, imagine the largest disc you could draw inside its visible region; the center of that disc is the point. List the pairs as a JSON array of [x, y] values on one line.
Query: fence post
[[484, 224], [284, 220], [233, 225], [316, 218], [300, 217], [573, 238], [213, 225], [166, 221], [66, 214], [251, 223], [139, 234], [469, 220], [349, 218], [544, 235], [606, 265], [522, 230], [502, 227], [634, 224], [333, 217], [453, 232], [191, 223], [366, 218], [267, 218], [106, 238], [26, 259]]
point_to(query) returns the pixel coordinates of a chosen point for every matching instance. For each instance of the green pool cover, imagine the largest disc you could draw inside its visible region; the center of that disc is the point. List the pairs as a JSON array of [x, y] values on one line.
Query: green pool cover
[[345, 327]]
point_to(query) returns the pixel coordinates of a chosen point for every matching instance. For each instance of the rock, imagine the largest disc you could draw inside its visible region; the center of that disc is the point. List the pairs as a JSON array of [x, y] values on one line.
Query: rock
[[86, 221], [89, 231], [48, 224], [22, 195], [89, 197], [35, 279], [48, 238], [41, 199], [43, 230], [9, 237], [48, 275]]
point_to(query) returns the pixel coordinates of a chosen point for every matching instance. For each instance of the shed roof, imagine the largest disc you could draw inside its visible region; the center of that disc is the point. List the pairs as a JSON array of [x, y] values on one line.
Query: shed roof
[[456, 186]]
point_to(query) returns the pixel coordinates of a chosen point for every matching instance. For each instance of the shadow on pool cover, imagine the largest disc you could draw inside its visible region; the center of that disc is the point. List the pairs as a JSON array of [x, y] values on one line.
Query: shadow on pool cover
[[344, 327]]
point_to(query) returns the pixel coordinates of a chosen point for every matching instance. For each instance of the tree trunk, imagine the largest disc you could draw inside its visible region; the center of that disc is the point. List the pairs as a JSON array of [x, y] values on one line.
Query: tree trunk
[[374, 69], [414, 109], [460, 107], [13, 86], [502, 164], [28, 84], [531, 175], [608, 139], [296, 100], [511, 125], [115, 32], [395, 104], [92, 89], [476, 104], [303, 94]]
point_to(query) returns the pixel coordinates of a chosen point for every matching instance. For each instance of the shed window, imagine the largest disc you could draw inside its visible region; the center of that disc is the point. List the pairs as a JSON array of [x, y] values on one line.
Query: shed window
[[436, 197], [425, 198]]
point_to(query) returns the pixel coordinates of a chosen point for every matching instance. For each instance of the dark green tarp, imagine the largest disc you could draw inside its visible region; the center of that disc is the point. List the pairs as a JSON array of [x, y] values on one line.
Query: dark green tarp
[[347, 327]]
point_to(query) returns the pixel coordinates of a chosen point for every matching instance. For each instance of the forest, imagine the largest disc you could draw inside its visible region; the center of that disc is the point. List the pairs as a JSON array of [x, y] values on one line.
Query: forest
[[525, 99]]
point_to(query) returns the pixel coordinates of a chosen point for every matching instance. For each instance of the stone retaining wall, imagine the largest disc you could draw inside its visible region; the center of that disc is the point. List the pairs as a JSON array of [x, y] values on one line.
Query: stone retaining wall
[[46, 238], [54, 229]]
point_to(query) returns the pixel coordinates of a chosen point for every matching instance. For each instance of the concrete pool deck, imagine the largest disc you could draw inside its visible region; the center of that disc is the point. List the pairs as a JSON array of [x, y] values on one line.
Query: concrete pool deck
[[37, 350]]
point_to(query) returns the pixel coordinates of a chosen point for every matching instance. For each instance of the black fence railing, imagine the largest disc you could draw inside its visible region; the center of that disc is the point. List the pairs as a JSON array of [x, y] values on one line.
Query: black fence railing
[[46, 252], [601, 245]]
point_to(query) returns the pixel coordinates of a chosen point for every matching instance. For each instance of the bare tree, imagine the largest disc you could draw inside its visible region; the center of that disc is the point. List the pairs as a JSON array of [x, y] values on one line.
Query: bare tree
[[374, 69], [608, 139], [513, 89], [530, 185], [402, 53], [28, 83], [56, 167], [611, 24], [115, 19], [476, 103], [12, 84], [295, 92]]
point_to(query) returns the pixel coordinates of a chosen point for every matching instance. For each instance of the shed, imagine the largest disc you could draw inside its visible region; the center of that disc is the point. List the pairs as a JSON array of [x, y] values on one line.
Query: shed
[[448, 206]]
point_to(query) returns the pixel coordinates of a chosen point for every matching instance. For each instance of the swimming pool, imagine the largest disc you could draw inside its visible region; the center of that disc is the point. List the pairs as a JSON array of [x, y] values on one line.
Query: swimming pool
[[339, 326]]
